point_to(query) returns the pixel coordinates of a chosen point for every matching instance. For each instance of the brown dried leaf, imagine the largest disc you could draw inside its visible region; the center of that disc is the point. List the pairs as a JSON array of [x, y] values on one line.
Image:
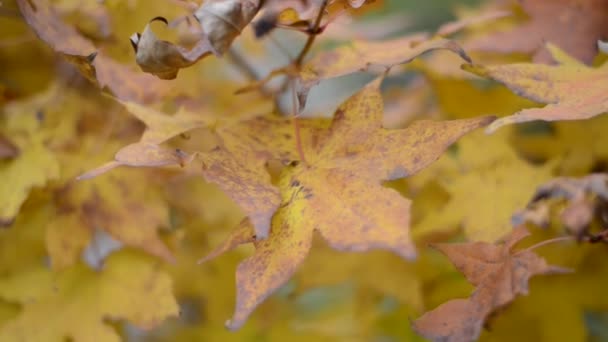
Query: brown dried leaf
[[100, 69], [223, 20], [499, 275], [163, 58]]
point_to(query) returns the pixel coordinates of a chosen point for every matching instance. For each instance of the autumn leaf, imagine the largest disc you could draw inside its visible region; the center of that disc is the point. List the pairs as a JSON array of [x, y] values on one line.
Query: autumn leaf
[[361, 55], [551, 21], [341, 183], [34, 167], [130, 287], [100, 69], [149, 152], [499, 275], [221, 21], [121, 203], [162, 58], [571, 90], [479, 177], [586, 198]]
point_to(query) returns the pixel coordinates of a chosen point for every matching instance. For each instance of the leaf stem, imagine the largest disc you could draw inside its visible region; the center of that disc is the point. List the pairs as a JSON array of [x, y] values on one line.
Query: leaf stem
[[546, 242], [296, 125], [313, 35]]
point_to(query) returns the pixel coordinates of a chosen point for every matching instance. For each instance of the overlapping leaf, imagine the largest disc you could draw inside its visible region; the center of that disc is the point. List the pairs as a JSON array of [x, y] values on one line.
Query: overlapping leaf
[[148, 152], [574, 26], [483, 192], [335, 190], [121, 203], [101, 69], [360, 55], [571, 90]]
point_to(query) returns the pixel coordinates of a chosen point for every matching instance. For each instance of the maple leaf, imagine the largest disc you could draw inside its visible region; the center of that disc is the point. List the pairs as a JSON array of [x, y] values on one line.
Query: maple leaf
[[483, 192], [34, 167], [574, 26], [239, 164], [499, 275], [129, 287], [572, 90], [338, 194], [121, 203], [100, 69]]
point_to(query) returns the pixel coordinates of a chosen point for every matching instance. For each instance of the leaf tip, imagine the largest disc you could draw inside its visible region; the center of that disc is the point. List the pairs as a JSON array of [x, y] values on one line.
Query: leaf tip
[[460, 51], [475, 69], [231, 325]]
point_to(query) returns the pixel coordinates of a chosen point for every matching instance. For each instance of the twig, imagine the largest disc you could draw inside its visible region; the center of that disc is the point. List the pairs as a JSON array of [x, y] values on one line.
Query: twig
[[313, 35], [546, 242]]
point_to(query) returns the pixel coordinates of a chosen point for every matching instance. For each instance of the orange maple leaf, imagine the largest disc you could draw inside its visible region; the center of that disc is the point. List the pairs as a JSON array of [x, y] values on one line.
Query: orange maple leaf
[[498, 273]]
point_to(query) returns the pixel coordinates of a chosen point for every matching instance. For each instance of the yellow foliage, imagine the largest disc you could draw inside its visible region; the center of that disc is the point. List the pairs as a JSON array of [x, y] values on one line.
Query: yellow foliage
[[130, 286]]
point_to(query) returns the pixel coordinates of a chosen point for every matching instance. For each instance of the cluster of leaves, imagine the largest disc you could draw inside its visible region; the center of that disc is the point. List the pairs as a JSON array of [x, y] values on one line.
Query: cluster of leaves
[[102, 230]]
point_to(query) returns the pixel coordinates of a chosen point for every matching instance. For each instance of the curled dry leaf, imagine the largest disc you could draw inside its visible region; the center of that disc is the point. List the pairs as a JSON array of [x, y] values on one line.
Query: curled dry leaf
[[587, 200], [162, 58], [221, 21], [335, 192], [571, 90], [499, 274], [574, 26], [105, 72]]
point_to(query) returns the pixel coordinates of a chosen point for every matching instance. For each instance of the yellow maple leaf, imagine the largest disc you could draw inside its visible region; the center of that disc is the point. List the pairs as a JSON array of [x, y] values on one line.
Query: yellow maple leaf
[[337, 192], [34, 167], [483, 190]]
